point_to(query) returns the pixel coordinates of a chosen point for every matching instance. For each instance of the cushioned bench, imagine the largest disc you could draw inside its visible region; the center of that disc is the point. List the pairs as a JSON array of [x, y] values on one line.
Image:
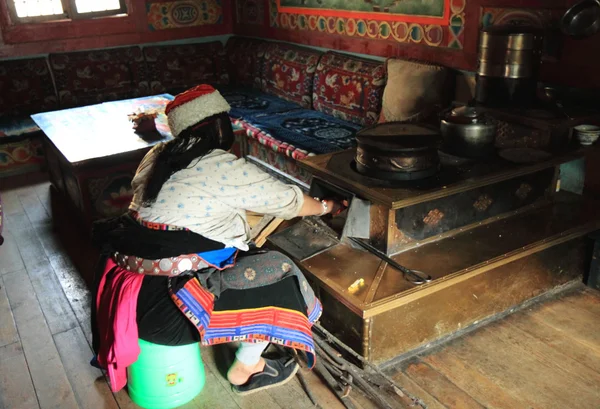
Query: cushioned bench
[[287, 101], [176, 68], [294, 102], [92, 77], [25, 87]]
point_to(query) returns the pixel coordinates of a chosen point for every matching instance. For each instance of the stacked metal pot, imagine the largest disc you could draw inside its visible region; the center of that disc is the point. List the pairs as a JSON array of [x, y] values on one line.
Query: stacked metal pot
[[508, 64]]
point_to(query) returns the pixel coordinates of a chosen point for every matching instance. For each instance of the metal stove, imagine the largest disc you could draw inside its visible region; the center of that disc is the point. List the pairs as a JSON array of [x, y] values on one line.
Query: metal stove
[[488, 235]]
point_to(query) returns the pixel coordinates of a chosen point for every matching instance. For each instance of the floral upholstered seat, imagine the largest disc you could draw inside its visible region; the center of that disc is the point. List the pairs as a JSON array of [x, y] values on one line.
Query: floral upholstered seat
[[301, 101]]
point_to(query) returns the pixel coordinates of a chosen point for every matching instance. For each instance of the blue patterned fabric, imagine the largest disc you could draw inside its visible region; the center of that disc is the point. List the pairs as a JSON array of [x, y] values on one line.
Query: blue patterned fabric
[[247, 102], [220, 258], [312, 131]]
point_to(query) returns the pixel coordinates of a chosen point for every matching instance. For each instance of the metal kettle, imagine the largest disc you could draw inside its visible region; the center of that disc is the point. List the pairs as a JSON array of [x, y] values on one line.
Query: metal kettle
[[468, 132]]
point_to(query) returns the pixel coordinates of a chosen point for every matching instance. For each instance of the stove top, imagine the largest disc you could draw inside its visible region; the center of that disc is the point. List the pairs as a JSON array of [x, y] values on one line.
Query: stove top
[[344, 164], [455, 174]]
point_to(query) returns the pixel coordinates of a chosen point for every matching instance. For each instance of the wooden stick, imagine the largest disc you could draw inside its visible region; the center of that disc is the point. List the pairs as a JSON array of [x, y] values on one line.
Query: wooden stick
[[257, 226], [261, 239]]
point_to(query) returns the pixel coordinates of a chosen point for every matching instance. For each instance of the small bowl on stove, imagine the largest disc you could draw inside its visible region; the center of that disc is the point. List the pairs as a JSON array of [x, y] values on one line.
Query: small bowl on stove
[[587, 134]]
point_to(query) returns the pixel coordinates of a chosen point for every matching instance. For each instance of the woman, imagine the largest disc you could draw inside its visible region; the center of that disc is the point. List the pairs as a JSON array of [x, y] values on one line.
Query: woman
[[187, 234]]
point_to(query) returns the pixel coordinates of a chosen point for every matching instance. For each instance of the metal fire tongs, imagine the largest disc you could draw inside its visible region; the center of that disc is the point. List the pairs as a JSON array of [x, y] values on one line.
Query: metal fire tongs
[[413, 276], [356, 230]]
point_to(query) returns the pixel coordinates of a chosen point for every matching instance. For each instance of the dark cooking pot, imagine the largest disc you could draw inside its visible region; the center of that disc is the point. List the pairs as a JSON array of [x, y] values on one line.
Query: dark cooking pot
[[582, 20], [467, 132], [398, 151]]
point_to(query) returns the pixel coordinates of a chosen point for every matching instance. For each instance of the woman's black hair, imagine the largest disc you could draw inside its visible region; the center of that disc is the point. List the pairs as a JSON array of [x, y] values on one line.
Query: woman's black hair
[[191, 144]]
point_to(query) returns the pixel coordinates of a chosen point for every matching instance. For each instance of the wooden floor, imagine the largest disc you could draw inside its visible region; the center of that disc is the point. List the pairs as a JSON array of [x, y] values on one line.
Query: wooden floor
[[543, 357]]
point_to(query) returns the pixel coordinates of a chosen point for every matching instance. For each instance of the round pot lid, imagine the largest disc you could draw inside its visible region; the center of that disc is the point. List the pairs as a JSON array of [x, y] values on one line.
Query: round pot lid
[[398, 136]]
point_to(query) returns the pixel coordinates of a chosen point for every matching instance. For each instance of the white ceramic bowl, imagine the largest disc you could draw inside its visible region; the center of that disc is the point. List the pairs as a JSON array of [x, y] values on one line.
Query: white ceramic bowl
[[587, 129], [587, 138]]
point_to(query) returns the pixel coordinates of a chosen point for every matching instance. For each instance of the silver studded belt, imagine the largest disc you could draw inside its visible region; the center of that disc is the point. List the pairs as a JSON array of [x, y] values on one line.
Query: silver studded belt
[[171, 266]]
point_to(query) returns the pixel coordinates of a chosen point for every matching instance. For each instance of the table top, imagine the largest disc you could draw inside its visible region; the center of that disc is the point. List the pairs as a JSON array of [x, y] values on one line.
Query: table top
[[96, 131]]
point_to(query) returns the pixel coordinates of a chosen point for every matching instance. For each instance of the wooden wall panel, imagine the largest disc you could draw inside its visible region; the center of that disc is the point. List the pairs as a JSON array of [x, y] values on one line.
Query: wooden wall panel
[[138, 27]]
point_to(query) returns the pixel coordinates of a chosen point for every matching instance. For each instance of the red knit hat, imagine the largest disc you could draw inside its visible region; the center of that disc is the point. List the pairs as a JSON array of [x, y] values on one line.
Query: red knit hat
[[193, 106]]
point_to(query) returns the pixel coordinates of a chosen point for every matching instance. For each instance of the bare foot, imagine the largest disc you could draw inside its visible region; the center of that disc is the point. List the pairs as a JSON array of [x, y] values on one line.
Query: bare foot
[[239, 373]]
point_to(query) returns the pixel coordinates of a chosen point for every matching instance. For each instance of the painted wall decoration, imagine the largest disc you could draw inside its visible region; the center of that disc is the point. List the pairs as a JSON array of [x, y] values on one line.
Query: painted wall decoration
[[250, 12], [495, 16], [408, 11], [353, 21], [163, 15]]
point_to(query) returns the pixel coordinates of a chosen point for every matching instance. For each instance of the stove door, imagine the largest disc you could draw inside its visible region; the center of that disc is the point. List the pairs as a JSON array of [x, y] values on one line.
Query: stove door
[[305, 239], [313, 235]]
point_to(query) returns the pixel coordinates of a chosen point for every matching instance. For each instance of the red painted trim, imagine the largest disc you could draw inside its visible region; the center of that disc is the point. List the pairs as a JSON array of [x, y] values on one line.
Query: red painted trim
[[379, 16]]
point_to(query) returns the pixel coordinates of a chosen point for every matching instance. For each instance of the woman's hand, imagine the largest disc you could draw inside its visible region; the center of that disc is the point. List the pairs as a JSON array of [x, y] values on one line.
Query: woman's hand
[[313, 207], [336, 207]]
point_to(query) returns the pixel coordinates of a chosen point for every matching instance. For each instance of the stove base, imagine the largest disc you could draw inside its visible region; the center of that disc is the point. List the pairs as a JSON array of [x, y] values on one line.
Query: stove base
[[435, 312], [477, 274]]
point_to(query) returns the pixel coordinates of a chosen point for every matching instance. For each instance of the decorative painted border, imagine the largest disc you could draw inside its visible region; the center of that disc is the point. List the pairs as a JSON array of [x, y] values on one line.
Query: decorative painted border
[[375, 15], [435, 35], [162, 15], [493, 16]]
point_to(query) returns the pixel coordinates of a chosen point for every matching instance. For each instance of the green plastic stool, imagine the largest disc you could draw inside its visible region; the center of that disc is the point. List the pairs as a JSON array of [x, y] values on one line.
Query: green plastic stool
[[165, 377]]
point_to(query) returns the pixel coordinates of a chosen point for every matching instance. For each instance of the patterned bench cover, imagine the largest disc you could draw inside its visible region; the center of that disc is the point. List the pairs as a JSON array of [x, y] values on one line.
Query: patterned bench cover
[[288, 72], [248, 102], [300, 133], [349, 88], [176, 68], [25, 88], [95, 76]]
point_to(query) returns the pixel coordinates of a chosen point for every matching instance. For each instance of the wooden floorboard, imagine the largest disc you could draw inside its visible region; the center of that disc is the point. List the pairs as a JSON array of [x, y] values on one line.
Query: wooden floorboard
[[577, 322], [16, 387], [8, 328], [57, 310], [47, 371], [88, 383], [547, 356], [416, 390], [543, 357], [10, 258], [440, 387], [469, 379]]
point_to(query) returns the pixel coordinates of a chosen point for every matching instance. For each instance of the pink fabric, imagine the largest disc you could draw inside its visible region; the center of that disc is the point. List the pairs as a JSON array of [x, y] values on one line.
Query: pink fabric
[[117, 325]]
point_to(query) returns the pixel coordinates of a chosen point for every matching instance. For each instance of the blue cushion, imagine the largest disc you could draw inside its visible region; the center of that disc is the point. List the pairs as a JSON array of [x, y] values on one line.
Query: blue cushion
[[247, 102], [312, 131]]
